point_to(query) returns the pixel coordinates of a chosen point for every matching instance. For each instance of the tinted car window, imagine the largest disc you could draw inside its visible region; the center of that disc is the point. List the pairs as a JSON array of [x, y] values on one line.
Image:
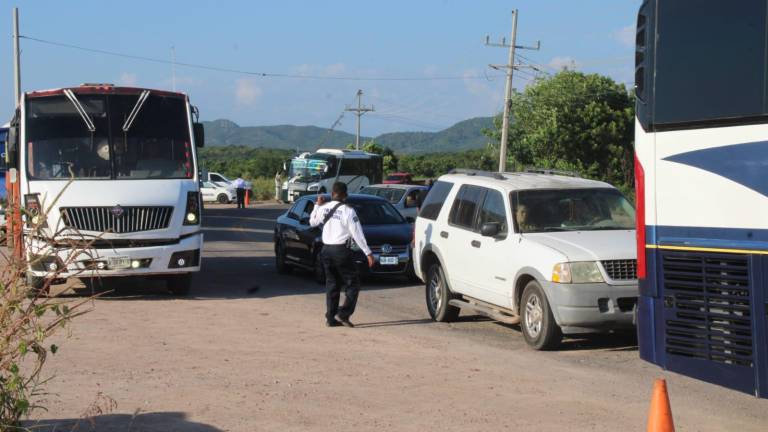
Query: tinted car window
[[493, 210], [430, 209], [296, 211], [465, 206], [377, 213], [691, 84]]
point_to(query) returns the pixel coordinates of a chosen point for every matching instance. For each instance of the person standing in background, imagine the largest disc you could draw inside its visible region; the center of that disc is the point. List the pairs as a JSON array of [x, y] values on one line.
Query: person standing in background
[[278, 185], [239, 185]]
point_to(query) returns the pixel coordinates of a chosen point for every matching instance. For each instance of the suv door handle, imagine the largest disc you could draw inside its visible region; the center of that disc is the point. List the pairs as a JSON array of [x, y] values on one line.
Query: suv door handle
[[444, 234], [476, 243]]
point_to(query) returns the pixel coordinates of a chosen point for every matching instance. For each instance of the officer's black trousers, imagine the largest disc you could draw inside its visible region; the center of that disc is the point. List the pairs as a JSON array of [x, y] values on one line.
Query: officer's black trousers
[[240, 197], [340, 274]]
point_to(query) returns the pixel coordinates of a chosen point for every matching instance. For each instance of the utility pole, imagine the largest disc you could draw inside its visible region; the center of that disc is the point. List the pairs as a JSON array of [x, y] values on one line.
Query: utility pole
[[359, 111], [16, 59], [510, 69]]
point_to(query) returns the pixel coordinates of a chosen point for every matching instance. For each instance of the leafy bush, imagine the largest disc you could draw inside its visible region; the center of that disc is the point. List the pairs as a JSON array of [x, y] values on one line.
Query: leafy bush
[[29, 315], [263, 189]]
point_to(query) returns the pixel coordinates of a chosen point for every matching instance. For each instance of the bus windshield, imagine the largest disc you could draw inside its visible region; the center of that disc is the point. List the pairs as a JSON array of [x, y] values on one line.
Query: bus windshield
[[59, 144], [306, 169], [572, 210]]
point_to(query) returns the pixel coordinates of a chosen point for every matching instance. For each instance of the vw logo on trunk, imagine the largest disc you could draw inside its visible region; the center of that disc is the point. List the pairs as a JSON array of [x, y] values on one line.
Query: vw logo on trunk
[[386, 248], [117, 211]]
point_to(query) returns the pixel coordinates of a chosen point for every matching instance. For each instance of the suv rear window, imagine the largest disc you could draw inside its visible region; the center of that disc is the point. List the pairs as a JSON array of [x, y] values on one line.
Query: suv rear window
[[430, 209]]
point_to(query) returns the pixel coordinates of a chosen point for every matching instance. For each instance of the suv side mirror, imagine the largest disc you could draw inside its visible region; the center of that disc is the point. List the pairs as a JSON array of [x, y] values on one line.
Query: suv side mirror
[[199, 131], [490, 229]]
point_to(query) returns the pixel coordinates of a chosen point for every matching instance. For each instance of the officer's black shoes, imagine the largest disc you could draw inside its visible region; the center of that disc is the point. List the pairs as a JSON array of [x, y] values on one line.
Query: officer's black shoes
[[345, 322], [333, 323]]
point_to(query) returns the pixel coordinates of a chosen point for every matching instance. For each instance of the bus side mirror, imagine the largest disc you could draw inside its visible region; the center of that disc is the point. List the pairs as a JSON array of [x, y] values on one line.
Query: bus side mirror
[[199, 131]]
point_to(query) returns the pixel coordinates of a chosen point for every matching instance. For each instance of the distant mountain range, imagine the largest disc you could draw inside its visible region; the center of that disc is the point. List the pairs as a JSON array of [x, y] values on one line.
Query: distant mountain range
[[465, 135]]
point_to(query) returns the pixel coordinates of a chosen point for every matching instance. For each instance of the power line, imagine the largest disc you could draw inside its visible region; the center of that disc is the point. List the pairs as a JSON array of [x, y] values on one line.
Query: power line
[[245, 72]]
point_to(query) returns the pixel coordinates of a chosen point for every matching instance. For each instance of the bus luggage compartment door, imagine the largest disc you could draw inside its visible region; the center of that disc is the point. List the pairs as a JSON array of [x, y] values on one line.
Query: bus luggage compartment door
[[710, 317]]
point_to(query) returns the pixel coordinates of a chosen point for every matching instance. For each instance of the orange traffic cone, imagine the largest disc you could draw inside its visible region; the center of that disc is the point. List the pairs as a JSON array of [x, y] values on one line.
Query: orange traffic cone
[[247, 197], [660, 414]]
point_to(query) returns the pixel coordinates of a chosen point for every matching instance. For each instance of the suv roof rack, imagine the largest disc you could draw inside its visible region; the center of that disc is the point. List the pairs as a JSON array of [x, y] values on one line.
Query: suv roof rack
[[481, 173], [548, 171]]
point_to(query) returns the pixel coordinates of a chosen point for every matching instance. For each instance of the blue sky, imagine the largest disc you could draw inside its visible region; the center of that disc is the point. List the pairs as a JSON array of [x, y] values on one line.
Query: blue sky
[[392, 38]]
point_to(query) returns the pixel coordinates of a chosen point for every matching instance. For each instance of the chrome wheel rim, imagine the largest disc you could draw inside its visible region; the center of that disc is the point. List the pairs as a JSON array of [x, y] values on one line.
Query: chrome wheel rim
[[435, 297], [533, 316]]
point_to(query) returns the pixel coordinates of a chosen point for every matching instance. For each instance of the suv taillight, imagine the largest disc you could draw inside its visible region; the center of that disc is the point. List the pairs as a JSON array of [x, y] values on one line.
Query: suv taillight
[[192, 212], [640, 218]]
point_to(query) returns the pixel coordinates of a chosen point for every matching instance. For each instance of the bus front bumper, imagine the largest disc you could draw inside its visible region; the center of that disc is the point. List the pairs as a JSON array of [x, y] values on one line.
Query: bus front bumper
[[170, 257]]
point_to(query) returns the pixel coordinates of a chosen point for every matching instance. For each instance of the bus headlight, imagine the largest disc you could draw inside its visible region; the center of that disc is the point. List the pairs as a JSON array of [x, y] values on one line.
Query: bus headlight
[[577, 272], [192, 213]]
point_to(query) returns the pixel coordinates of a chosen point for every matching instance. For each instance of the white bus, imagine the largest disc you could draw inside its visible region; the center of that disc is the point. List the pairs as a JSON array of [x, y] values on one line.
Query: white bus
[[312, 173], [124, 163], [701, 145]]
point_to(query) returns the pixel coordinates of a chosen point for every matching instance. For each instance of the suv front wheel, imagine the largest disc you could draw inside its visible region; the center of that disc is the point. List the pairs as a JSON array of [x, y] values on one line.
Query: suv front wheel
[[538, 324], [438, 296]]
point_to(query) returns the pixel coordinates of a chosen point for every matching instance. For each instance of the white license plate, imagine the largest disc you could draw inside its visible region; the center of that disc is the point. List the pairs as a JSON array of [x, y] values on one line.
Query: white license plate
[[119, 263], [388, 260]]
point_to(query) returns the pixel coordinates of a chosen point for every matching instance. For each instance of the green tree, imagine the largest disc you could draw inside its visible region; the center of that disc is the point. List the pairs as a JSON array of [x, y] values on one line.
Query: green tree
[[573, 121], [388, 156]]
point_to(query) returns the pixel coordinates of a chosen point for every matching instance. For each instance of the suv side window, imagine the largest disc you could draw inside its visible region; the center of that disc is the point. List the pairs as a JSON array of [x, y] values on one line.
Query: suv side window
[[464, 209], [493, 211], [430, 208]]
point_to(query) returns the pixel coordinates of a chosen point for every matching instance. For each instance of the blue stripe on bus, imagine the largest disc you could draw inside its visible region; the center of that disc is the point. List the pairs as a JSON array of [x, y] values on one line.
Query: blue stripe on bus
[[706, 237], [745, 164]]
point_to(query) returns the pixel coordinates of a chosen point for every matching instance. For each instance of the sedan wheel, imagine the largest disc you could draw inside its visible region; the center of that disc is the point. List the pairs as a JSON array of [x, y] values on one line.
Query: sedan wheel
[[222, 198]]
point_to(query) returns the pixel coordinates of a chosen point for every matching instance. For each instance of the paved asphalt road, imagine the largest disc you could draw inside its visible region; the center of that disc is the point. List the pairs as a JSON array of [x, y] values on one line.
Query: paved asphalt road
[[248, 351]]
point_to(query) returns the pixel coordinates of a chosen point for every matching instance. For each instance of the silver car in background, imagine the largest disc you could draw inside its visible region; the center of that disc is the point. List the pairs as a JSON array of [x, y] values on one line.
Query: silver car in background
[[405, 198]]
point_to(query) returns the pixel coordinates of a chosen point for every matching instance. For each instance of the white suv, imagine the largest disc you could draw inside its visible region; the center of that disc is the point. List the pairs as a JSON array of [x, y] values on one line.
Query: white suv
[[552, 252]]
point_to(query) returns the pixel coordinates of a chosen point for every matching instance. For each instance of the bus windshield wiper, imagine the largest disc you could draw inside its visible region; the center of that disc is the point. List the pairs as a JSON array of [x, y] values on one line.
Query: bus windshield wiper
[[135, 111], [80, 110]]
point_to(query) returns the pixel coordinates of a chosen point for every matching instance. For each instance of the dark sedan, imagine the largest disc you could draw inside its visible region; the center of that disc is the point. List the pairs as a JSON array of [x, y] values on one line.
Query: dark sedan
[[388, 235]]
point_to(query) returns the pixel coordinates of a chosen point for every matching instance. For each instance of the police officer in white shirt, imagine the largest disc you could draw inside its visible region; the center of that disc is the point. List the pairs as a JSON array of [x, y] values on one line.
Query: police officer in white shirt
[[339, 223]]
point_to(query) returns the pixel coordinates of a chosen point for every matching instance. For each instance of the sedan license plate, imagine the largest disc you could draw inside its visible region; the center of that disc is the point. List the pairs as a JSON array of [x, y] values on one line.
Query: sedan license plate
[[388, 260], [119, 263]]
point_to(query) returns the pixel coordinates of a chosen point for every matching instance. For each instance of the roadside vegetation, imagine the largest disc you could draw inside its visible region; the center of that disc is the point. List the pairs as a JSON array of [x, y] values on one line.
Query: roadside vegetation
[[30, 314], [570, 121]]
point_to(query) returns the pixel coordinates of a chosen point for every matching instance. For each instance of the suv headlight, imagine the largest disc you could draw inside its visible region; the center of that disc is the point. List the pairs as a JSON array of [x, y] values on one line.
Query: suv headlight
[[577, 272], [313, 187]]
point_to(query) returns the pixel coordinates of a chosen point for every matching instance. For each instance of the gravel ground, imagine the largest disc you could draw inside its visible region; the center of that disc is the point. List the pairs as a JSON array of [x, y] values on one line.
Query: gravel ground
[[248, 351]]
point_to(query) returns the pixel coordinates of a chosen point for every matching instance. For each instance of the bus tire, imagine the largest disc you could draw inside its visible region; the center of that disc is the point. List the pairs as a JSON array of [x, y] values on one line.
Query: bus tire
[[179, 285], [222, 198], [322, 190]]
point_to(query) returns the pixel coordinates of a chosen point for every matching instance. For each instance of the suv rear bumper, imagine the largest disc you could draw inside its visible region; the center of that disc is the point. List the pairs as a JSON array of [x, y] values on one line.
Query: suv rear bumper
[[585, 308]]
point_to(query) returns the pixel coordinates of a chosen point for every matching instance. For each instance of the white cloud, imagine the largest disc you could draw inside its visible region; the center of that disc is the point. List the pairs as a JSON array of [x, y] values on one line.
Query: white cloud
[[626, 35], [246, 91], [128, 79], [559, 63]]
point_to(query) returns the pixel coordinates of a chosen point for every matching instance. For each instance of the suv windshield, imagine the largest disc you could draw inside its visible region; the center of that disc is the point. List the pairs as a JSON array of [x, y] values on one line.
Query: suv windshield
[[60, 145], [377, 213], [572, 210]]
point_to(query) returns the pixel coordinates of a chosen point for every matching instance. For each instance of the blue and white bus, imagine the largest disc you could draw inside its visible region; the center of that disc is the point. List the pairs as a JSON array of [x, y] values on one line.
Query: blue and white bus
[[701, 171]]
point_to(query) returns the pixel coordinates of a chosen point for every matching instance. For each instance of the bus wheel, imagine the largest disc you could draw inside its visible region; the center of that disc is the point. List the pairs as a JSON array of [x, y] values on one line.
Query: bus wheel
[[180, 285], [37, 286], [222, 199], [322, 190]]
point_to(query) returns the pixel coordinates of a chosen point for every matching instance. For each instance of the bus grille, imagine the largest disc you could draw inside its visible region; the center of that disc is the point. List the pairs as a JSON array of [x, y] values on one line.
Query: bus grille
[[108, 219], [707, 298], [621, 269]]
